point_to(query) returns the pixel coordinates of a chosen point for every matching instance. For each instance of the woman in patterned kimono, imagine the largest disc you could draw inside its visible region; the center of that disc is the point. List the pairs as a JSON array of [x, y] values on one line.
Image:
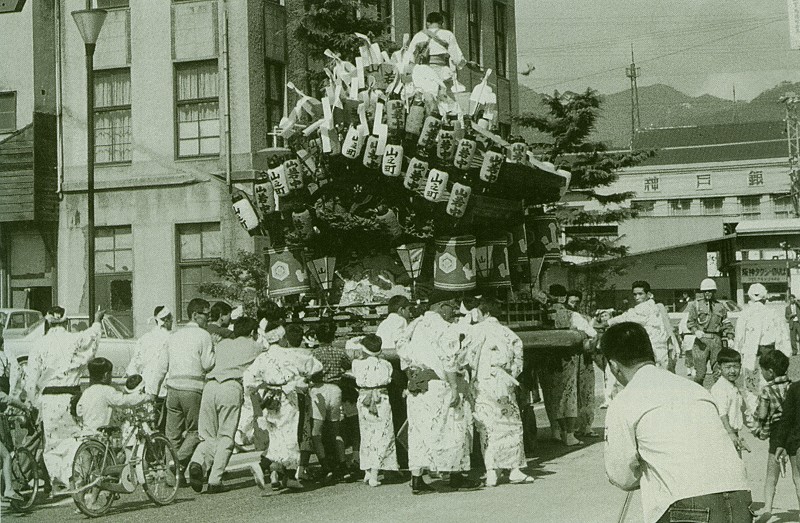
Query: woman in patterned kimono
[[376, 425], [496, 363], [282, 373]]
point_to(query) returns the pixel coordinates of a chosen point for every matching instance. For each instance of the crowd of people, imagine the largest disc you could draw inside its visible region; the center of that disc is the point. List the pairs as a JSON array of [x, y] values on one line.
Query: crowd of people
[[224, 378]]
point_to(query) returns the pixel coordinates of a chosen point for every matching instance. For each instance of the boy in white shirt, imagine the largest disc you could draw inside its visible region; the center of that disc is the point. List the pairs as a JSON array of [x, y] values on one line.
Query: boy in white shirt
[[728, 398], [97, 403]]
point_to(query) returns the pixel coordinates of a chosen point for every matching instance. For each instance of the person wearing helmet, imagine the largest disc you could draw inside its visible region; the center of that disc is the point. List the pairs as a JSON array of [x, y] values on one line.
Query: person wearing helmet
[[760, 330], [708, 320]]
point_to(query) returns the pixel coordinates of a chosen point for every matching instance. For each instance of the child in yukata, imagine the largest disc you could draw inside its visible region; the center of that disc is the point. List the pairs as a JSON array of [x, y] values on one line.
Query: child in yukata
[[373, 375]]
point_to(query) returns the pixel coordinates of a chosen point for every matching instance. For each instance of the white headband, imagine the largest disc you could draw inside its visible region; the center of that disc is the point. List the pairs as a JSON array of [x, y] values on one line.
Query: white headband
[[237, 313], [271, 336], [162, 314], [52, 320]]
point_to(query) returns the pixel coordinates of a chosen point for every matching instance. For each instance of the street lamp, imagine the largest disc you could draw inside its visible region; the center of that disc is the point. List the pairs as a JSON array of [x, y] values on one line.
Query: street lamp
[[89, 22], [786, 247]]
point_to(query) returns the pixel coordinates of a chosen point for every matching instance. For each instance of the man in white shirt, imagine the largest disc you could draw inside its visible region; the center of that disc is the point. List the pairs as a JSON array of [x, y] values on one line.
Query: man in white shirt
[[648, 314], [665, 437], [437, 49], [189, 356], [395, 323], [147, 355]]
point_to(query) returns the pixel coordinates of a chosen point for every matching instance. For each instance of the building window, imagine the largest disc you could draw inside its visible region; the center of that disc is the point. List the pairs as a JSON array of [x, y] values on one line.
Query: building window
[[645, 208], [755, 178], [680, 207], [750, 205], [500, 38], [703, 181], [416, 15], [113, 249], [198, 246], [111, 4], [8, 112], [383, 12], [112, 116], [446, 8], [651, 184], [712, 205], [197, 102], [782, 205], [275, 74], [474, 26]]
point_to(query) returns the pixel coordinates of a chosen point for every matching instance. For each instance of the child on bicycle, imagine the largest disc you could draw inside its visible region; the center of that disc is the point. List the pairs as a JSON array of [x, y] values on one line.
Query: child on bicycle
[[97, 403], [6, 441]]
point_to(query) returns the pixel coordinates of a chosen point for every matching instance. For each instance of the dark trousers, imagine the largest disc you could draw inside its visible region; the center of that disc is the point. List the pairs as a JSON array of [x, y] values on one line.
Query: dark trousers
[[794, 333], [183, 414], [723, 507], [705, 351]]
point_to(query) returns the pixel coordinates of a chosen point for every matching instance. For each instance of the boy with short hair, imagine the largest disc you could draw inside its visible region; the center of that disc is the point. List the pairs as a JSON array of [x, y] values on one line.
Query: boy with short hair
[[774, 365], [728, 398], [326, 395], [97, 403]]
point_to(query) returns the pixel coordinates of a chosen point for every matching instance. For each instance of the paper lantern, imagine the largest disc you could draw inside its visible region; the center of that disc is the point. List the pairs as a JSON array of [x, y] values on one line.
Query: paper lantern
[[445, 144], [277, 177], [416, 118], [429, 132], [454, 263], [353, 143], [391, 223], [294, 174], [392, 164], [465, 152], [492, 163], [322, 270], [307, 164], [416, 175], [411, 256], [265, 197], [303, 223], [493, 263], [244, 211], [435, 185], [518, 152], [396, 116], [287, 274], [372, 159], [459, 198]]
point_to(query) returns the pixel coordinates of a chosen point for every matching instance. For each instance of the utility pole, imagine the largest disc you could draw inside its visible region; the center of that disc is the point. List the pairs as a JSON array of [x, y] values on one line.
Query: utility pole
[[735, 116], [632, 72], [791, 101]]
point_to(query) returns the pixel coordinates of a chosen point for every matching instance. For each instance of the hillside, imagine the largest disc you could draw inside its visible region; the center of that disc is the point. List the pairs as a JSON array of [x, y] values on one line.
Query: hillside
[[664, 106]]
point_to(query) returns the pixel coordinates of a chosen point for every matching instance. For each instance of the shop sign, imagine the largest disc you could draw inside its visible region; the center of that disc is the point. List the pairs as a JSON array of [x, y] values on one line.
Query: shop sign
[[763, 273]]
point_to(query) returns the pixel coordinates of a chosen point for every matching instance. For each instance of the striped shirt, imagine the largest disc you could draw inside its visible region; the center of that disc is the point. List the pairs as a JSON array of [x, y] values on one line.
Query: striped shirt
[[773, 395]]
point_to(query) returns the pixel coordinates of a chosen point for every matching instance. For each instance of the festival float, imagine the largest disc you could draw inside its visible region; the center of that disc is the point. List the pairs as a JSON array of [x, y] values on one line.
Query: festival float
[[394, 181]]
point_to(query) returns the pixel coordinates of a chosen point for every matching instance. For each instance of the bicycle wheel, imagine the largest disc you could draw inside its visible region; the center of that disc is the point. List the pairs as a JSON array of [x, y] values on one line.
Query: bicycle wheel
[[89, 465], [24, 478], [160, 469]]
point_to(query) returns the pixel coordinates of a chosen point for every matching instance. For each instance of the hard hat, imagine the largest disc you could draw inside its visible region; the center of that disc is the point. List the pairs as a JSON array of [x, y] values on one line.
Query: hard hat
[[708, 285]]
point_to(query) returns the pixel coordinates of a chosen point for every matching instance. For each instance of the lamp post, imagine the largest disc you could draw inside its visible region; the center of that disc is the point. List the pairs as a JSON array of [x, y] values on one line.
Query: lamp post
[[89, 22], [786, 247]]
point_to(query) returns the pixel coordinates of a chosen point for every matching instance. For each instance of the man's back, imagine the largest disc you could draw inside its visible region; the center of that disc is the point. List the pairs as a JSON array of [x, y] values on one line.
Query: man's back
[[190, 353], [670, 429]]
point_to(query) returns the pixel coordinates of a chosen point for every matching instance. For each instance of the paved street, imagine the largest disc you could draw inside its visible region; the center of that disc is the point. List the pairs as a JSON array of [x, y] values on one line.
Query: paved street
[[570, 487]]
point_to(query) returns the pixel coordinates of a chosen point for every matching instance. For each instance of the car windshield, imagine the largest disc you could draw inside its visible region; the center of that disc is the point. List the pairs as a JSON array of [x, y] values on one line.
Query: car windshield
[[122, 330]]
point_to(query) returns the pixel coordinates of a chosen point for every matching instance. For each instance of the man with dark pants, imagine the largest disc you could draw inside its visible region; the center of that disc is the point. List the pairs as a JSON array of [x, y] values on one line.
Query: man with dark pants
[[665, 437], [708, 320], [793, 319], [189, 356]]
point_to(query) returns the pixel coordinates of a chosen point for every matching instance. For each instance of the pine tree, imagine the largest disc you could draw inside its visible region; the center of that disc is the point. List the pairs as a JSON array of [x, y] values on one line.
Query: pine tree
[[565, 129]]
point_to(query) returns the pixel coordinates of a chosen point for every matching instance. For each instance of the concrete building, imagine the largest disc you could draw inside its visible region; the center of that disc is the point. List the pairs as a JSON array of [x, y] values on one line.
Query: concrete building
[[28, 156], [187, 94], [702, 183]]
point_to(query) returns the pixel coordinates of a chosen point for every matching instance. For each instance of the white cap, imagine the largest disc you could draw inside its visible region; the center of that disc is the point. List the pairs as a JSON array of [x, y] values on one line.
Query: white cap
[[708, 285]]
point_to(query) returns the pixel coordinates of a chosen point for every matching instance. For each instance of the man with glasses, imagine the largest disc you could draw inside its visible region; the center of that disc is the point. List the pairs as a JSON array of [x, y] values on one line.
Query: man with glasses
[[189, 356]]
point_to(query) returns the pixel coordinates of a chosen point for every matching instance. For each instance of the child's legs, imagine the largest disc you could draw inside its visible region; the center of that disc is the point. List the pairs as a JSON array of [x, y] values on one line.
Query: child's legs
[[773, 471], [336, 433]]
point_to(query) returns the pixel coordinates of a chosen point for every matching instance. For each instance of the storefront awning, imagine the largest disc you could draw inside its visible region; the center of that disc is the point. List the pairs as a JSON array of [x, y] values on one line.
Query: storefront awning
[[768, 227]]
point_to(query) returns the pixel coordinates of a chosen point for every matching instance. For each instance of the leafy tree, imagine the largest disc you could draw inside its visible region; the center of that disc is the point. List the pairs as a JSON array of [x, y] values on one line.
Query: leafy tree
[[563, 131], [243, 280]]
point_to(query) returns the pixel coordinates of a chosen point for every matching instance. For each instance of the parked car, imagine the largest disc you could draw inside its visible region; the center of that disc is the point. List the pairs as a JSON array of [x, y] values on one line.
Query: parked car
[[678, 319], [116, 342], [14, 322]]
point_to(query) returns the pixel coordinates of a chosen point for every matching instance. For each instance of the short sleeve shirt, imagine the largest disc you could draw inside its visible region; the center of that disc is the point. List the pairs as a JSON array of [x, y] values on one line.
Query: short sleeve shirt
[[729, 402]]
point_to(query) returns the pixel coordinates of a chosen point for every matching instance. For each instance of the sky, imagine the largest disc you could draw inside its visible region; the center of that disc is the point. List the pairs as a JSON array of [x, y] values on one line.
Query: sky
[[696, 46]]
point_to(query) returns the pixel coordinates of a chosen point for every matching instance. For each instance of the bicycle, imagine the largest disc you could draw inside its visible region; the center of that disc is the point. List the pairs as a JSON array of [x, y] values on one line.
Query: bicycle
[[105, 467], [26, 461]]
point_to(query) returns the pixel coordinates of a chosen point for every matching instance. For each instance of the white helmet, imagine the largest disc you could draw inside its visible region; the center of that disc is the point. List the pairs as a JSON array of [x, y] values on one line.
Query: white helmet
[[708, 285]]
